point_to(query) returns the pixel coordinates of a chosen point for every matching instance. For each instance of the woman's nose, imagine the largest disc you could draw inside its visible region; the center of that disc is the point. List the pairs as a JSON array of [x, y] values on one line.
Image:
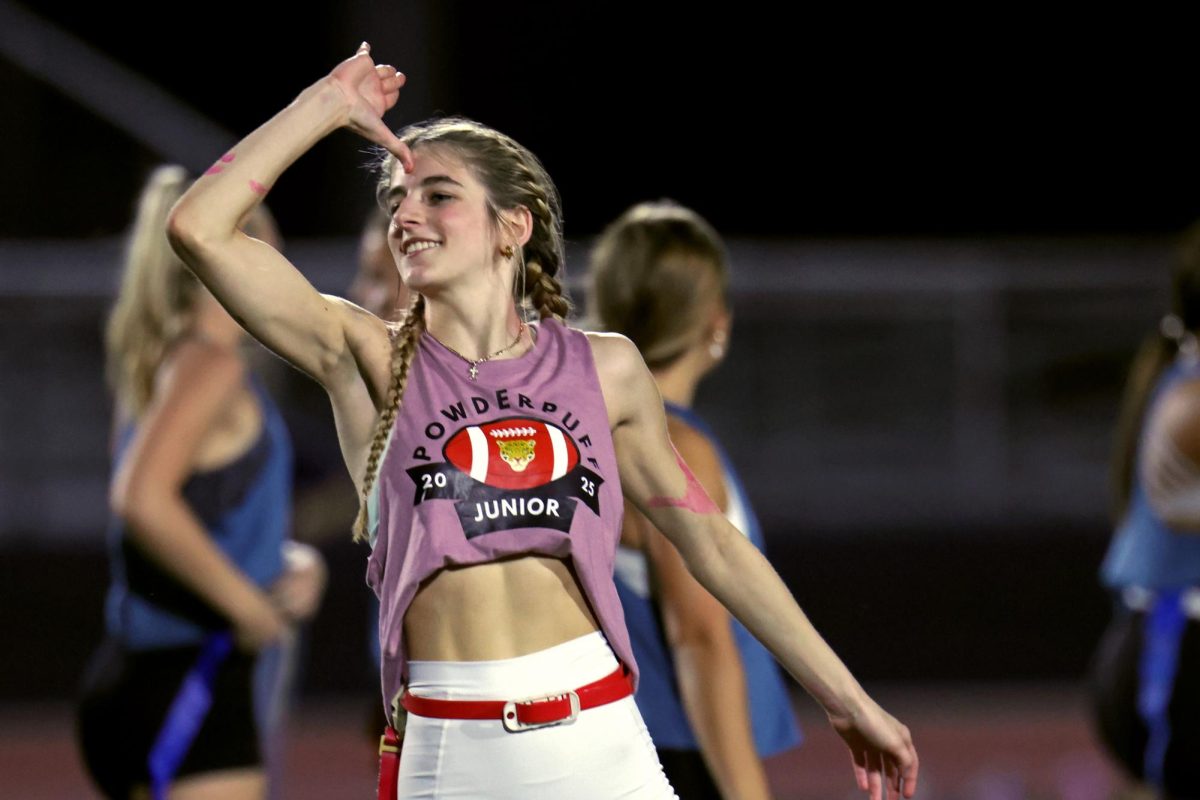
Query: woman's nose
[[408, 213]]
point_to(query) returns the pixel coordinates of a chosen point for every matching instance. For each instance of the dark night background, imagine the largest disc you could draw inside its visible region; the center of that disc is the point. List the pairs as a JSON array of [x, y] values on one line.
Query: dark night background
[[772, 121]]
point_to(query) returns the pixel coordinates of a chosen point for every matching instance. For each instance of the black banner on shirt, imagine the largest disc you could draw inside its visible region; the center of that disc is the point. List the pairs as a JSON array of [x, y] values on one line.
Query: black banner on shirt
[[487, 509]]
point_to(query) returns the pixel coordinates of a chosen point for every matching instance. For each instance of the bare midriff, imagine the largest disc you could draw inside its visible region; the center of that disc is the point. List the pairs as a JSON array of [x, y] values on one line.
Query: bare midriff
[[501, 609]]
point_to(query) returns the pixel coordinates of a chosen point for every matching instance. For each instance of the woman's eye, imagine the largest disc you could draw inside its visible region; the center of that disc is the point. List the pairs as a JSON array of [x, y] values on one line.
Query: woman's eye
[[439, 197]]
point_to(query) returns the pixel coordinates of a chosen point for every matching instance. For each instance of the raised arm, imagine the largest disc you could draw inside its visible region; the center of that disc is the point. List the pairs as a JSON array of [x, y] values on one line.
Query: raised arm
[[659, 483], [708, 666], [256, 284]]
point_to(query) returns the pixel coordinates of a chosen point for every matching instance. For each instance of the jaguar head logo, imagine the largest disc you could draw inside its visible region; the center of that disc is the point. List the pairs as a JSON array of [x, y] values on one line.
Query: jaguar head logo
[[517, 453]]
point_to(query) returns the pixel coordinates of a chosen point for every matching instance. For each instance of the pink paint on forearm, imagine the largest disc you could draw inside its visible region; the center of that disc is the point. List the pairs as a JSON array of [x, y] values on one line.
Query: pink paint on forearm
[[695, 499], [257, 187], [217, 169]]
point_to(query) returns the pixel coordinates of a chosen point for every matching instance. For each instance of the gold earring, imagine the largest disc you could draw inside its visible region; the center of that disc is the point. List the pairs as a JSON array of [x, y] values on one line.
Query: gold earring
[[507, 251]]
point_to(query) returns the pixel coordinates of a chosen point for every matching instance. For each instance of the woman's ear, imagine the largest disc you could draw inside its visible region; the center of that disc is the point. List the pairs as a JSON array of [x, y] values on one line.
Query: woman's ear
[[519, 224], [724, 318]]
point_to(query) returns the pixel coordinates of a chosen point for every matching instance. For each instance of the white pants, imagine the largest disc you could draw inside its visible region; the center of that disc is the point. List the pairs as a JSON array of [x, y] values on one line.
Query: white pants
[[605, 753]]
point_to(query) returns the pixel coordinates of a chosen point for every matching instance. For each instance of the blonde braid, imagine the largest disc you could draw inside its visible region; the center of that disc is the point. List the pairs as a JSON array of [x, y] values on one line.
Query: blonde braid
[[545, 292], [404, 347]]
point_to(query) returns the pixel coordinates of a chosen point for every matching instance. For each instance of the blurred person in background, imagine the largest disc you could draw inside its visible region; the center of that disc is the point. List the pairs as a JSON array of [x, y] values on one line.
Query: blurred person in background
[[178, 700], [1146, 673], [712, 696]]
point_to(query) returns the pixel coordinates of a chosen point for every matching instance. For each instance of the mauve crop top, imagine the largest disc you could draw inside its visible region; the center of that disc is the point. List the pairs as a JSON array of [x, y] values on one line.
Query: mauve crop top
[[518, 461]]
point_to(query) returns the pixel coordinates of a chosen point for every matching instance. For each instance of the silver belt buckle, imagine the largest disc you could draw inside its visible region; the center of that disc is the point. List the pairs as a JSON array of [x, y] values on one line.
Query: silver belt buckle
[[512, 721]]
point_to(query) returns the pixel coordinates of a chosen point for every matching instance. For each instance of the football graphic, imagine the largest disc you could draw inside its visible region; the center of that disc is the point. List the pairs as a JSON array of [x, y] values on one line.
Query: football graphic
[[514, 453]]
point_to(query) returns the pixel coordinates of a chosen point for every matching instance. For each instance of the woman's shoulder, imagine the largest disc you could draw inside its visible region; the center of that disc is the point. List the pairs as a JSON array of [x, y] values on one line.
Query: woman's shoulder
[[614, 352], [619, 365], [627, 385], [1177, 417], [202, 384], [199, 363], [1169, 454]]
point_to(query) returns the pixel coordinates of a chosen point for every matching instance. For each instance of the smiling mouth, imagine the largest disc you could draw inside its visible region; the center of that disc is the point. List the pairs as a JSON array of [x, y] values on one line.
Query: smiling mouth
[[418, 245]]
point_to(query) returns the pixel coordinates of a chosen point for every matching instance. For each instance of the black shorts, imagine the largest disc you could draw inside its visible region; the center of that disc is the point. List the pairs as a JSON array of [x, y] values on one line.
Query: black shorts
[[1114, 688], [124, 706], [688, 774]]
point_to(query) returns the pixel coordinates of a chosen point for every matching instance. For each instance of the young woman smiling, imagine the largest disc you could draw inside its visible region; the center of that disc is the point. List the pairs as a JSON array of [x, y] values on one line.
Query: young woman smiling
[[466, 402]]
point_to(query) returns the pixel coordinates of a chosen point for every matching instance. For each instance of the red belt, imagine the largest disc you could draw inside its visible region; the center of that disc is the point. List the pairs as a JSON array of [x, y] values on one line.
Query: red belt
[[523, 715], [517, 715]]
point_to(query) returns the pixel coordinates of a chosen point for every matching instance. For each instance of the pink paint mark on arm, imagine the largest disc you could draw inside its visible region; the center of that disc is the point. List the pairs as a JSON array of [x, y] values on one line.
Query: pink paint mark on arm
[[216, 168], [257, 187], [695, 499]]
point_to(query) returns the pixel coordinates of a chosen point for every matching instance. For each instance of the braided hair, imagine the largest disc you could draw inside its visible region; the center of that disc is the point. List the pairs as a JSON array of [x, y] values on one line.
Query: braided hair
[[404, 337]]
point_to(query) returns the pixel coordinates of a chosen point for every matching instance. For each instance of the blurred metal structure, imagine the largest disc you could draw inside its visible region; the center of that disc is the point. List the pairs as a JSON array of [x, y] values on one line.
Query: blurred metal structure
[[172, 129]]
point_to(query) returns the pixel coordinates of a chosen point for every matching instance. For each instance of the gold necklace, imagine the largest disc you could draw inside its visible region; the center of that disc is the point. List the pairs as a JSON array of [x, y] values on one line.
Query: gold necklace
[[475, 362]]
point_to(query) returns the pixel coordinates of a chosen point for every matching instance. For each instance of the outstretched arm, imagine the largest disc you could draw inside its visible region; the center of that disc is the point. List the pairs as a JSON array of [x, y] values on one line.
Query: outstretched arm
[[708, 666], [659, 483]]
